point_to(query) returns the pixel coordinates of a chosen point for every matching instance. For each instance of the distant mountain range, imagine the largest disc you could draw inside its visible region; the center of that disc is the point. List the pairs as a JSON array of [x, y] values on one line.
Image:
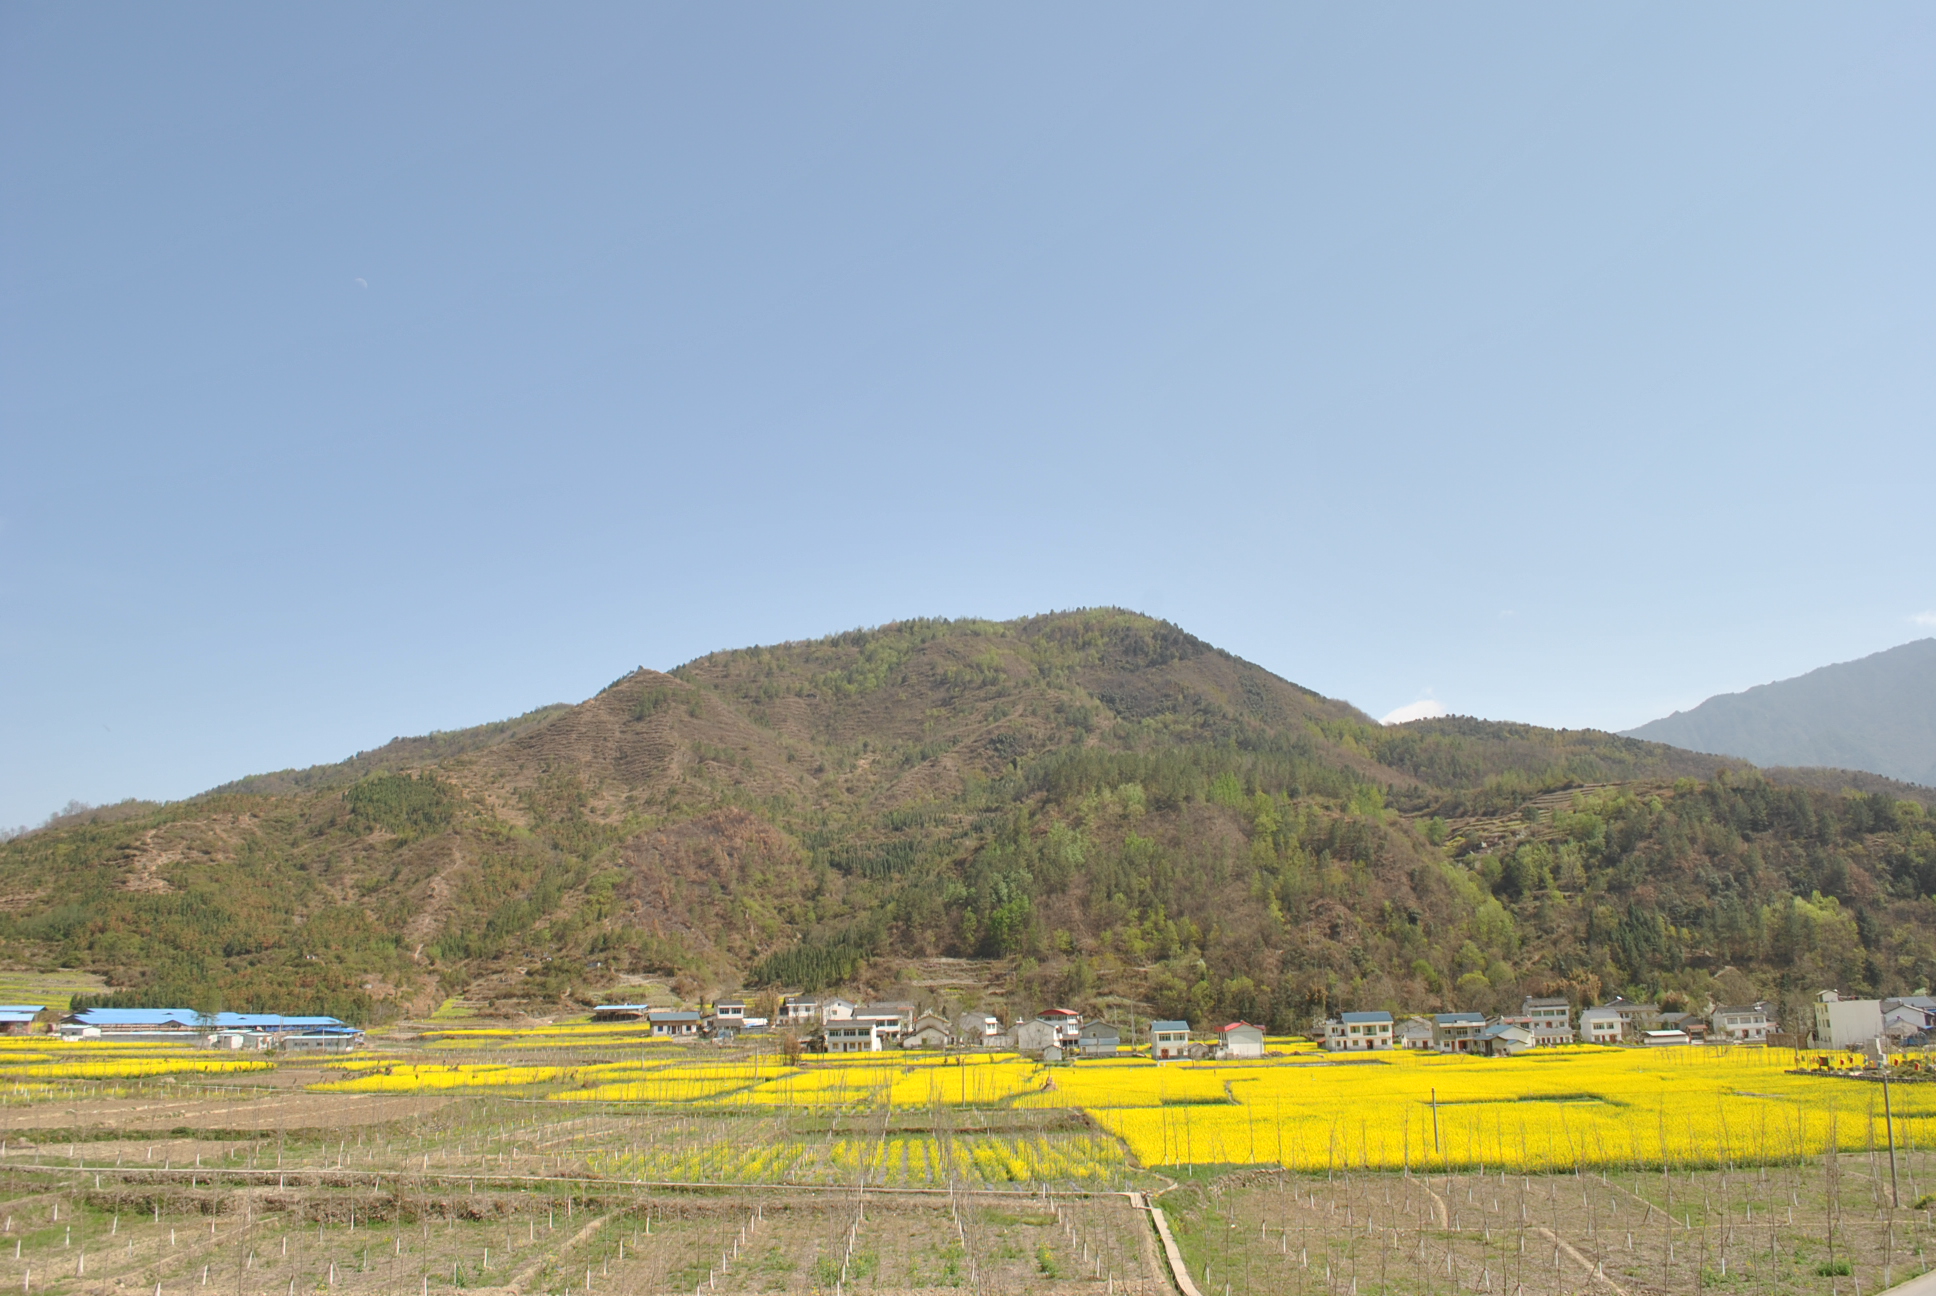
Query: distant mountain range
[[1876, 714]]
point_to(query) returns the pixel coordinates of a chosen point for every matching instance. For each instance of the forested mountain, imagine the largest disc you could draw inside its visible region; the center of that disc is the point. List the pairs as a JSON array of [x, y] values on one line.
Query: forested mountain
[[1091, 807], [1876, 714]]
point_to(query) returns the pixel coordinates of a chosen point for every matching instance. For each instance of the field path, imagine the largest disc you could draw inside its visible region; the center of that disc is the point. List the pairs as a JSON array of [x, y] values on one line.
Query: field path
[[577, 1239]]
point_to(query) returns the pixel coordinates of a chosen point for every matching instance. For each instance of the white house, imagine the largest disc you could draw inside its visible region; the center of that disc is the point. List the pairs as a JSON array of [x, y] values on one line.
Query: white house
[[1169, 1039], [797, 1011], [1742, 1023], [853, 1036], [1846, 1023], [1240, 1040], [1067, 1023], [1634, 1017], [832, 1010], [1657, 1038], [730, 1013], [1549, 1019], [1358, 1031], [1599, 1026]]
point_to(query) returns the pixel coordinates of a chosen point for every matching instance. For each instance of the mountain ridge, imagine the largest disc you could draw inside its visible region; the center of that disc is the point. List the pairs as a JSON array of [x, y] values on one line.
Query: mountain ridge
[[1875, 713], [1090, 807]]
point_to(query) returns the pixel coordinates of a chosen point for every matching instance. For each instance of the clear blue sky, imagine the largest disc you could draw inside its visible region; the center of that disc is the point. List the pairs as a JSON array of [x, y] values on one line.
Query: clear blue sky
[[373, 369]]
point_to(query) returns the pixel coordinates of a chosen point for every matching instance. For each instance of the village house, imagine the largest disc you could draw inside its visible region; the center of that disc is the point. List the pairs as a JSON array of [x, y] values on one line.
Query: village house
[[1169, 1039], [1599, 1026], [895, 1019], [1416, 1033], [1455, 1032], [675, 1022], [977, 1030], [931, 1030], [798, 1012], [1066, 1021], [832, 1010], [852, 1035], [730, 1012], [1240, 1040], [1034, 1036], [1099, 1039], [1634, 1017], [1904, 1019], [1549, 1019], [1503, 1039], [1687, 1023], [1668, 1036], [1359, 1031], [1845, 1023], [1742, 1023]]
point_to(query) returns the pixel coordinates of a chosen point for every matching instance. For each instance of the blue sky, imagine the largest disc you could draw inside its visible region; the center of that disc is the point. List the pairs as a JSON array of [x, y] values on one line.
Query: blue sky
[[373, 369]]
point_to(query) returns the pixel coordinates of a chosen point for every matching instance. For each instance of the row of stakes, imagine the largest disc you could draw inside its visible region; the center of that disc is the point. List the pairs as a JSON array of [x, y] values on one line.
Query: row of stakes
[[727, 1257]]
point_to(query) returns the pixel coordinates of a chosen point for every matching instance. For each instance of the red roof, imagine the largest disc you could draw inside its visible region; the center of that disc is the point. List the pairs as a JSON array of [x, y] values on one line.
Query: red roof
[[1058, 1012], [1234, 1025]]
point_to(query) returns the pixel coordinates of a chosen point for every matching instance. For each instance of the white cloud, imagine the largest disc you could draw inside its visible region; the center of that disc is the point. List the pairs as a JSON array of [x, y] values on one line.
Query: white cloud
[[1923, 619], [1425, 710]]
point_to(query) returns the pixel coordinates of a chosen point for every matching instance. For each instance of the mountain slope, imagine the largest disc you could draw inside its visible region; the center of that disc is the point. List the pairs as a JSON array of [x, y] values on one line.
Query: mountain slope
[[1092, 807], [1876, 714]]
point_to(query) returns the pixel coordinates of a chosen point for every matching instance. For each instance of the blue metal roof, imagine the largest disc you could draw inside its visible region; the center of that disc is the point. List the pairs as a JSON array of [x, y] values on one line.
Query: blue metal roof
[[1457, 1019], [1169, 1026], [673, 1016], [1358, 1019], [138, 1017], [34, 1008], [622, 1008], [189, 1017]]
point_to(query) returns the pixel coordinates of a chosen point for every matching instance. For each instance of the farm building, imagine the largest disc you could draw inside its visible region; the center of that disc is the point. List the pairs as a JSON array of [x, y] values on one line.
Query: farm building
[[186, 1023], [1241, 1040], [894, 1019], [1634, 1017], [1099, 1039], [1659, 1038], [18, 1019], [620, 1012], [1169, 1039]]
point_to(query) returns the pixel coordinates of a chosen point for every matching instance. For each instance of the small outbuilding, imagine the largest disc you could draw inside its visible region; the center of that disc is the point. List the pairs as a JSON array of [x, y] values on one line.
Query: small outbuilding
[[1670, 1037], [18, 1019], [620, 1012]]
